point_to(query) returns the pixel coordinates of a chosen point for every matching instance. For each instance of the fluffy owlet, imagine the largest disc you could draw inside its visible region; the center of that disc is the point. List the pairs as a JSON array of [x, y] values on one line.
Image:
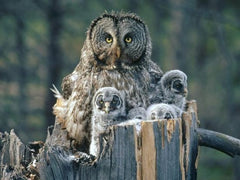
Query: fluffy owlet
[[174, 88], [163, 111], [108, 109], [116, 53], [137, 113]]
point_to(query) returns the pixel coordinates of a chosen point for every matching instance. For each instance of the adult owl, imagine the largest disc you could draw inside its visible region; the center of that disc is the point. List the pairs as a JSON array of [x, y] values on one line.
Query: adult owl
[[108, 109], [116, 53], [174, 88]]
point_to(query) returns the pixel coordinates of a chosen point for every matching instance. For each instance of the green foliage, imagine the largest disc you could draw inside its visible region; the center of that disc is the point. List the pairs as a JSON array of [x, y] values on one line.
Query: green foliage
[[214, 168]]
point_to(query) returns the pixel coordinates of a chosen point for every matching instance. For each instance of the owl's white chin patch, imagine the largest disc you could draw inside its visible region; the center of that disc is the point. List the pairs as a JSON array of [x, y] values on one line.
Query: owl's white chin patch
[[117, 65]]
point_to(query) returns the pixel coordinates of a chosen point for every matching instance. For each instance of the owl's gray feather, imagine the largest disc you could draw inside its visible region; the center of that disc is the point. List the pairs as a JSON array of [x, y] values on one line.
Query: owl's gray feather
[[116, 53], [108, 109], [137, 113], [163, 111], [174, 88]]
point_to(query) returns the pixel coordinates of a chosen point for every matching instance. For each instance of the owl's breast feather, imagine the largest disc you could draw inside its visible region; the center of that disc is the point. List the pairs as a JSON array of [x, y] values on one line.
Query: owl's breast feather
[[134, 84]]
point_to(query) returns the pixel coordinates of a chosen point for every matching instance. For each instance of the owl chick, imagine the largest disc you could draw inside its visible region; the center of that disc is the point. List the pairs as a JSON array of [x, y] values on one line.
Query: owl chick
[[163, 111], [108, 109], [116, 53], [174, 88], [137, 113]]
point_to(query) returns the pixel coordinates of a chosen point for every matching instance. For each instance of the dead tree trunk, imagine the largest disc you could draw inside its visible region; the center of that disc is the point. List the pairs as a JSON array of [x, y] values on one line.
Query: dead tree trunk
[[15, 157], [159, 149]]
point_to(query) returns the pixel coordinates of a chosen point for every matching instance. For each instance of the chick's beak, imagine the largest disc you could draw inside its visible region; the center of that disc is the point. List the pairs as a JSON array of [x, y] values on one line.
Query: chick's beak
[[185, 92], [107, 107]]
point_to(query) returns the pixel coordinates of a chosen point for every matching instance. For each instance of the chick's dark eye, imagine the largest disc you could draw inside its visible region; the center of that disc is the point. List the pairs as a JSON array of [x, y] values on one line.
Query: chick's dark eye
[[153, 116], [139, 117], [168, 116], [177, 85], [116, 100]]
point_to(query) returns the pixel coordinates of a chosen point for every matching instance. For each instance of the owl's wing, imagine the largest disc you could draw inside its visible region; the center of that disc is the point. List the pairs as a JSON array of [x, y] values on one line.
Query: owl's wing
[[68, 84], [155, 92], [79, 109], [155, 72]]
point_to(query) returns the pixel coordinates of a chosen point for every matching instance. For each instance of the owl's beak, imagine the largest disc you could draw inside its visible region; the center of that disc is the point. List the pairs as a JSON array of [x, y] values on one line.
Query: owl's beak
[[107, 107], [118, 52], [185, 92]]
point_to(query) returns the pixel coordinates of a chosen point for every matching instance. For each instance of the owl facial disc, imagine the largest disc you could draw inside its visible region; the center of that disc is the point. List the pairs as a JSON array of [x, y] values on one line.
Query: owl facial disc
[[107, 103], [119, 40]]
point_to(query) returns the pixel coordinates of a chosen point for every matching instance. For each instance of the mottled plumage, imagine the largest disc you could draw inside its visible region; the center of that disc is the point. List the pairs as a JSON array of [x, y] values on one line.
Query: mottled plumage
[[108, 109], [174, 88], [116, 53], [137, 113], [163, 111]]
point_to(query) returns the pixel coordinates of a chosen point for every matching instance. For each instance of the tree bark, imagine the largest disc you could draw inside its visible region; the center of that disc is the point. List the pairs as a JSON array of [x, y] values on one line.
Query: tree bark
[[14, 157]]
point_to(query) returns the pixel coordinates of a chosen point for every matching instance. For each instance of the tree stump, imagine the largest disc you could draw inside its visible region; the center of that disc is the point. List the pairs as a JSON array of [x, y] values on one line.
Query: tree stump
[[16, 158], [159, 149]]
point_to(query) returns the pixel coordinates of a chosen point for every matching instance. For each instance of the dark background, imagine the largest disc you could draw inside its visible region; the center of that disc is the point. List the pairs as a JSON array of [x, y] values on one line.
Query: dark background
[[40, 43]]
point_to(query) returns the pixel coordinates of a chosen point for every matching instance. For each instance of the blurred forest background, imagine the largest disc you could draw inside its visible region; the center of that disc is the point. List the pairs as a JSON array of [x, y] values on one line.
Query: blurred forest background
[[40, 43]]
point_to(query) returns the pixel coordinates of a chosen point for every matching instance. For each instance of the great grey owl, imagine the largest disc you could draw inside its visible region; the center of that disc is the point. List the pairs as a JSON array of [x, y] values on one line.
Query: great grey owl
[[163, 111], [116, 53], [174, 88], [108, 109]]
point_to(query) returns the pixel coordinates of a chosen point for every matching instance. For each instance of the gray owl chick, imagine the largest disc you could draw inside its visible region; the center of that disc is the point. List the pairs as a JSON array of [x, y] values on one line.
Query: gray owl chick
[[116, 53], [137, 113], [174, 88], [163, 111], [108, 109]]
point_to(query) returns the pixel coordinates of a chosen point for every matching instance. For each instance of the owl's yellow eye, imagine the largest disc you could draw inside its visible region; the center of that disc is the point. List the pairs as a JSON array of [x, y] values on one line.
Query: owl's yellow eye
[[128, 39], [109, 40]]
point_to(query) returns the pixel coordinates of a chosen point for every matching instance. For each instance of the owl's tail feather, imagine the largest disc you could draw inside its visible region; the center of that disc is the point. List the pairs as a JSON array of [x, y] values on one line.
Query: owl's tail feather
[[59, 107]]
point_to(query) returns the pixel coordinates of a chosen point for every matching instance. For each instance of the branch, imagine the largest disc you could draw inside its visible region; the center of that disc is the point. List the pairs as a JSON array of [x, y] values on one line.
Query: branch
[[219, 141]]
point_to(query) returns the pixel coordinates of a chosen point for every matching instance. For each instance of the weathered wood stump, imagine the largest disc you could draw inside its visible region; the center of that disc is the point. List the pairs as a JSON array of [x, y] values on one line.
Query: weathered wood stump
[[16, 158], [159, 149]]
